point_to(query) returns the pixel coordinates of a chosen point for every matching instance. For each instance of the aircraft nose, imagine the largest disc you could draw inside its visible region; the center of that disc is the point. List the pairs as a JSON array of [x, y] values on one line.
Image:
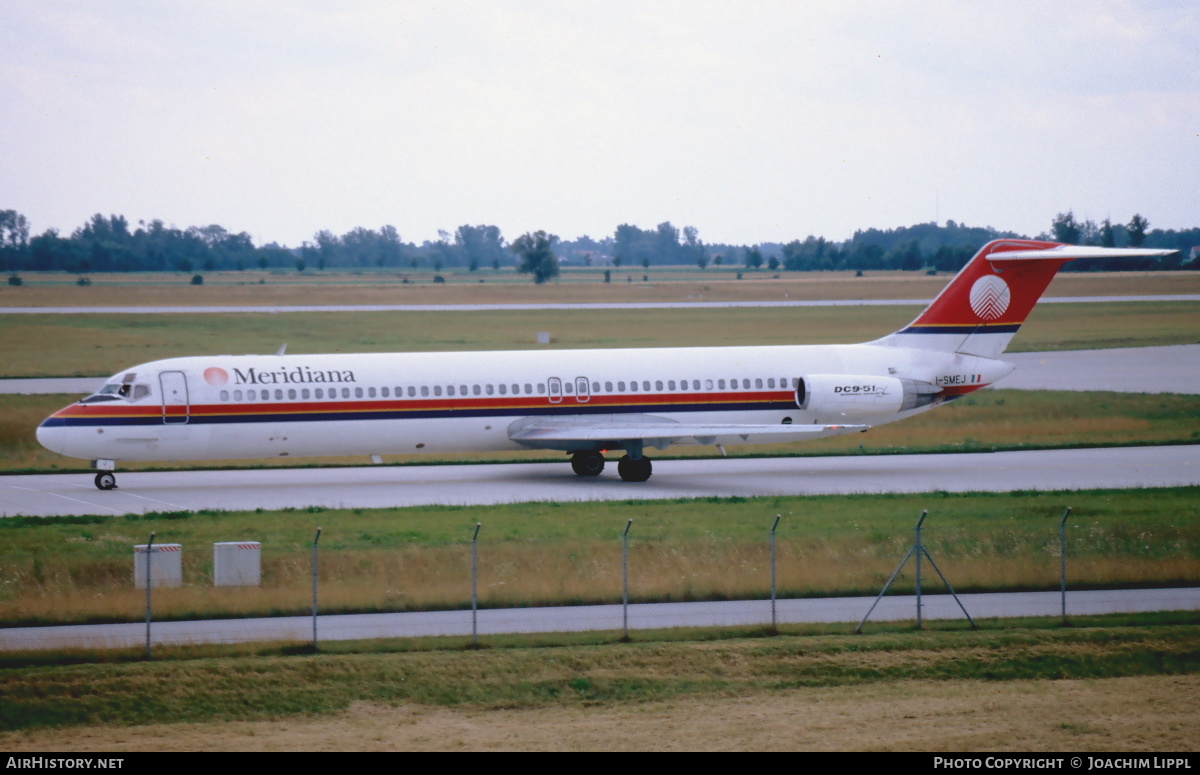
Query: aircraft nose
[[51, 436]]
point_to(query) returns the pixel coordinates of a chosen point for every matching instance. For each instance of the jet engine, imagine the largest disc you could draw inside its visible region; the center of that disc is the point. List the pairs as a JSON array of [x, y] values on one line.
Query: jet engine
[[857, 395]]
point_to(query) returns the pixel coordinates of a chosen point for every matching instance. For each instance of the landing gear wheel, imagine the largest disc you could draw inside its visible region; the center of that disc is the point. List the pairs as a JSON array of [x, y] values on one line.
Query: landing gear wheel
[[634, 470], [105, 480], [587, 463]]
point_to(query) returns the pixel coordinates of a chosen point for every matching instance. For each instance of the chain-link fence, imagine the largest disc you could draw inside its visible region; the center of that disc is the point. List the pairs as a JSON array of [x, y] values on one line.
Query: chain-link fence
[[631, 583]]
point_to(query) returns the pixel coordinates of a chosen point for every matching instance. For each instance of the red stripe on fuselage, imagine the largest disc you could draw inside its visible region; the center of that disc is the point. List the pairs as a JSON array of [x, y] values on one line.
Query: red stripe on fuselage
[[498, 403]]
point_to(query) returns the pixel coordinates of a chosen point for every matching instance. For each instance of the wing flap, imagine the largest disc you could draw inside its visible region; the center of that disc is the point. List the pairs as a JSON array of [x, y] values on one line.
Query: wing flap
[[658, 432]]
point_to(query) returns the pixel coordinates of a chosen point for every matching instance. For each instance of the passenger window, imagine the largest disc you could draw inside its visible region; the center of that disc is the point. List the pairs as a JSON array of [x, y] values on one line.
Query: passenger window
[[646, 385], [595, 387], [304, 393], [658, 385], [607, 387], [541, 388], [292, 394], [489, 389], [345, 392], [503, 389], [528, 388], [633, 387], [568, 388], [683, 384], [358, 392], [476, 389], [437, 390], [795, 382], [319, 393], [278, 394], [758, 382], [621, 386], [370, 392], [237, 395], [383, 392], [224, 395], [450, 390], [670, 384], [708, 384], [412, 392], [720, 384], [424, 391]]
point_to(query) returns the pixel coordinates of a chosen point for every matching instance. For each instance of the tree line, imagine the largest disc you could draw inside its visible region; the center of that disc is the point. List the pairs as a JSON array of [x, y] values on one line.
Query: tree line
[[111, 244]]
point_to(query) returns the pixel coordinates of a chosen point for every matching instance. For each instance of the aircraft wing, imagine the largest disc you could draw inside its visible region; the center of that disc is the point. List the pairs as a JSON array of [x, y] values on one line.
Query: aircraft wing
[[659, 432]]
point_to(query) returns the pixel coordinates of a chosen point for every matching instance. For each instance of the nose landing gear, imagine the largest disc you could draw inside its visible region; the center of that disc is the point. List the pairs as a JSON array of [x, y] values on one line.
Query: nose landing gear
[[106, 480]]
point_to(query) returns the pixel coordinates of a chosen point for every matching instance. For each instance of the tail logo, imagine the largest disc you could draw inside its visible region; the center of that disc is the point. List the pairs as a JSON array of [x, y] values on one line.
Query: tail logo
[[990, 297]]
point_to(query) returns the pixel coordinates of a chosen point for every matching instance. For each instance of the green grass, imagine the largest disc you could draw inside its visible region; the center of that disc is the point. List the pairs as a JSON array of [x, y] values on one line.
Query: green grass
[[985, 421], [99, 345], [77, 569], [191, 686]]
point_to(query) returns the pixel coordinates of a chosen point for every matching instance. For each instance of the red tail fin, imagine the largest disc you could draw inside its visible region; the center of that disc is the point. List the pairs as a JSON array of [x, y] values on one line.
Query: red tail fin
[[987, 301]]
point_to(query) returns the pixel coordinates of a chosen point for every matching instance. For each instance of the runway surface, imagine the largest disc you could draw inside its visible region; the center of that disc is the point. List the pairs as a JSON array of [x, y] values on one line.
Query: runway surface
[[206, 310], [395, 486], [642, 616], [1171, 369]]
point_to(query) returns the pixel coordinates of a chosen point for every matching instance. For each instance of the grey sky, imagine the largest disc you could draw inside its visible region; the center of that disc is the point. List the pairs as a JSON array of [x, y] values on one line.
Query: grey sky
[[754, 121]]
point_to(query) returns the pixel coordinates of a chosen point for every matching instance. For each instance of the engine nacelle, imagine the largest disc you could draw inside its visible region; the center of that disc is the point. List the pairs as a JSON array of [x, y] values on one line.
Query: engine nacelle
[[857, 395]]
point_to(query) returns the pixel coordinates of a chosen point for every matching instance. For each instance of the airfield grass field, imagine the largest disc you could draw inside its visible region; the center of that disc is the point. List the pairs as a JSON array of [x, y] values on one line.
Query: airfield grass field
[[1116, 683], [103, 344], [990, 420], [77, 569], [575, 285]]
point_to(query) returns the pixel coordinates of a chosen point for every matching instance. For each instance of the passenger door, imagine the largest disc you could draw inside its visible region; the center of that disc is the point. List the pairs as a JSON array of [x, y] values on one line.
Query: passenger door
[[176, 408]]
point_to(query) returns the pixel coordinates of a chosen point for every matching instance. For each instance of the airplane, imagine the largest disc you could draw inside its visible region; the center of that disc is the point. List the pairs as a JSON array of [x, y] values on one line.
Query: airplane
[[581, 402]]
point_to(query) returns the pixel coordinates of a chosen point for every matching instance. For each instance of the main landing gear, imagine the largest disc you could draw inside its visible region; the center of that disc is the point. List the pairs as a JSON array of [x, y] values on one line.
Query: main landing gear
[[634, 470], [106, 480], [587, 463], [591, 463]]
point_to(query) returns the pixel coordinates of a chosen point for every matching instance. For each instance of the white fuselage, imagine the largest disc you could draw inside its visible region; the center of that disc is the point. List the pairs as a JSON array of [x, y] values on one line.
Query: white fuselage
[[252, 406]]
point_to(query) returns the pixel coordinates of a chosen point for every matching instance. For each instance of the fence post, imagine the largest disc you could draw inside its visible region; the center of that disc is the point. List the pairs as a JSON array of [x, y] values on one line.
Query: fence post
[[1062, 562], [918, 550], [773, 526], [316, 538], [625, 581], [475, 586], [149, 584]]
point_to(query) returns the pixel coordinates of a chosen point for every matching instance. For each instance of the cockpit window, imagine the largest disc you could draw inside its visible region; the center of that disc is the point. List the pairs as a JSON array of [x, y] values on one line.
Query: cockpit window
[[115, 392]]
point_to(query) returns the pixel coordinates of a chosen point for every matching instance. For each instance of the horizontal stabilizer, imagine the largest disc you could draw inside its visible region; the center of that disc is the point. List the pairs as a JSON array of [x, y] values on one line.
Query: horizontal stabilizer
[[1072, 252]]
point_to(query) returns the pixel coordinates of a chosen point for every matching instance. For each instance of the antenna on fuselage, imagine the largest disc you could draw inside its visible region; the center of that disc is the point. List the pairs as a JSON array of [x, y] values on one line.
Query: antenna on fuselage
[[282, 349]]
